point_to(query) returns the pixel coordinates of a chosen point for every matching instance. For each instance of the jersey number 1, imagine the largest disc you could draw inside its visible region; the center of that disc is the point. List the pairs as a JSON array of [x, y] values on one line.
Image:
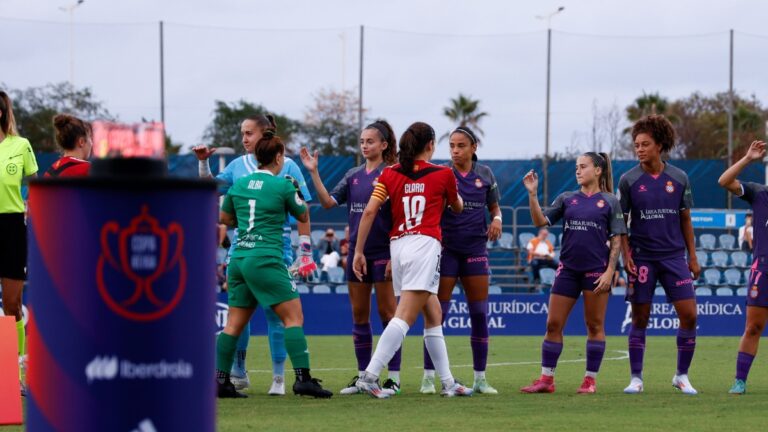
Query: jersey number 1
[[251, 213], [414, 210]]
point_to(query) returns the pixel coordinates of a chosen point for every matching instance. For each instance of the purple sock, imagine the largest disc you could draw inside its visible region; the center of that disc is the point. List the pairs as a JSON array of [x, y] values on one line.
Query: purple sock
[[636, 350], [363, 340], [550, 352], [428, 365], [743, 363], [595, 351], [394, 364], [478, 340], [686, 344]]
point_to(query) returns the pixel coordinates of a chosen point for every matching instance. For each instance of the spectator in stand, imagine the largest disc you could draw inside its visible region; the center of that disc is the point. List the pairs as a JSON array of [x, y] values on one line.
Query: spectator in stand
[[541, 253], [745, 234], [329, 243]]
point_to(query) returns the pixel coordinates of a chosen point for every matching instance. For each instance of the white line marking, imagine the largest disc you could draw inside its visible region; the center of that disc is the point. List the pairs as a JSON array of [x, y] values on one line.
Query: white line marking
[[624, 355]]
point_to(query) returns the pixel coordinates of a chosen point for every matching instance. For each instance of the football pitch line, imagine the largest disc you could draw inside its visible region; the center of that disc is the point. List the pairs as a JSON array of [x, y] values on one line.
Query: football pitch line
[[623, 356]]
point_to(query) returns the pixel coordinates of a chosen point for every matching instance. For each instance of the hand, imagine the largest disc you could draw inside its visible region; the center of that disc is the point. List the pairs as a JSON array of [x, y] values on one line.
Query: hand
[[296, 185], [304, 265], [693, 266], [603, 284], [310, 161], [359, 266], [756, 151], [531, 182], [202, 152], [629, 265], [494, 231], [388, 271]]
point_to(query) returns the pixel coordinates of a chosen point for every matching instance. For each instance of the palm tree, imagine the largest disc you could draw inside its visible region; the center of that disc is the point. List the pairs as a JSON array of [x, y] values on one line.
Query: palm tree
[[463, 111], [647, 104]]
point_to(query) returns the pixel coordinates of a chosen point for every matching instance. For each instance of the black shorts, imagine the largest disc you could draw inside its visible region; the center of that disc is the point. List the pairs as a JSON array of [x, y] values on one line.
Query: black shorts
[[13, 246]]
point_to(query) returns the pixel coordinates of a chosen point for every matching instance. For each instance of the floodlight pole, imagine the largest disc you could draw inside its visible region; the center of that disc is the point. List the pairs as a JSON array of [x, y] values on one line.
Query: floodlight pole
[[545, 159], [730, 113]]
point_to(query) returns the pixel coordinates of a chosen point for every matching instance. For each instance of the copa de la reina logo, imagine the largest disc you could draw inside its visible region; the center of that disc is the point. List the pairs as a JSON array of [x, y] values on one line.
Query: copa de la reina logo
[[141, 273]]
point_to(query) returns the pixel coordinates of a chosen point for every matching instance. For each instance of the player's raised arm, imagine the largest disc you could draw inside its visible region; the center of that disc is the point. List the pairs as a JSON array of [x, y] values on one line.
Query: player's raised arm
[[728, 179], [531, 183]]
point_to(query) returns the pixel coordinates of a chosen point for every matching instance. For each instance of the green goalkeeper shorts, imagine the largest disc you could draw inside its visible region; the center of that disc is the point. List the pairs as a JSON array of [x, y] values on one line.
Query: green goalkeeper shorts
[[261, 281]]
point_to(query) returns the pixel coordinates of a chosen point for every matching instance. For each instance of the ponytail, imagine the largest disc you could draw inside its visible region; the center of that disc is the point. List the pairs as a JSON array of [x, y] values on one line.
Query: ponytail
[[413, 142], [7, 120], [606, 178], [267, 148]]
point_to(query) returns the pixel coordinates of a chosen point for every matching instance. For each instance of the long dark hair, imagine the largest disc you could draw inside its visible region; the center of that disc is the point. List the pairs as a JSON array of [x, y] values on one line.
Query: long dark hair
[[69, 129], [388, 135], [413, 142], [7, 121], [268, 147], [603, 161]]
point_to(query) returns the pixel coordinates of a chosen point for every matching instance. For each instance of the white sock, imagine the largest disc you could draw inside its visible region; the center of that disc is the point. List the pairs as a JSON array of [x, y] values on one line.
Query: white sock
[[389, 342], [435, 342], [479, 375], [360, 373], [592, 375], [547, 371], [394, 376], [429, 373]]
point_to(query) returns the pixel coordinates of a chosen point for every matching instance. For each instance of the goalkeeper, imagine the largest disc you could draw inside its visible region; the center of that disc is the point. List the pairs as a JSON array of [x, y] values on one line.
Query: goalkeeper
[[252, 129]]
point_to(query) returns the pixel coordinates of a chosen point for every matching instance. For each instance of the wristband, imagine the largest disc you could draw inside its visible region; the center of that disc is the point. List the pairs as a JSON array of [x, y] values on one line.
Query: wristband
[[203, 169], [497, 217]]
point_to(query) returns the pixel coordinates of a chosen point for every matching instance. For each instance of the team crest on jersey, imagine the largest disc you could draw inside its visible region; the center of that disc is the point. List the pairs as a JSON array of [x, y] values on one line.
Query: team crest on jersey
[[601, 203], [478, 183], [753, 292], [670, 187], [642, 188]]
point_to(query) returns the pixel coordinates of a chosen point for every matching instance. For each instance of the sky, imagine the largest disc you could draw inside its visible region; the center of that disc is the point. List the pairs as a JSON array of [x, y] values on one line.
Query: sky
[[417, 55]]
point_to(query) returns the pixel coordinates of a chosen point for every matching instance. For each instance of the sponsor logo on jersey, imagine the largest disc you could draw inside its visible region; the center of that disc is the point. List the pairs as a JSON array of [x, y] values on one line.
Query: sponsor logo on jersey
[[670, 187], [642, 188], [601, 203], [298, 199], [108, 368], [574, 201], [133, 259], [478, 183], [222, 313]]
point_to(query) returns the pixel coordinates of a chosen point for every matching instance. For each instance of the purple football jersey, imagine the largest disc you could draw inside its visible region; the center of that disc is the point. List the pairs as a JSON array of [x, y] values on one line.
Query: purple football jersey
[[588, 222], [654, 204], [355, 190], [467, 232], [757, 196]]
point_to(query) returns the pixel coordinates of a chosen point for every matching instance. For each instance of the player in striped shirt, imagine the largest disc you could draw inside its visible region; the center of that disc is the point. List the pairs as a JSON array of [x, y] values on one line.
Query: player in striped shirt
[[74, 137], [656, 199], [252, 129], [465, 253], [378, 145], [592, 220], [418, 192], [757, 289]]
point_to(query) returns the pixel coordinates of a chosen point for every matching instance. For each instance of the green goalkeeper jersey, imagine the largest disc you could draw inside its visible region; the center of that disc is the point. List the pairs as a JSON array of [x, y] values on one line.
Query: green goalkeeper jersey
[[259, 203]]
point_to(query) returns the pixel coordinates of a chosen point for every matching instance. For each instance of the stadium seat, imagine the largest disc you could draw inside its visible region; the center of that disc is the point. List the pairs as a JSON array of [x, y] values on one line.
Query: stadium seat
[[316, 235], [702, 257], [560, 240], [494, 289], [342, 289], [739, 259], [719, 259], [724, 292], [619, 291], [321, 289], [557, 255], [707, 241], [294, 238], [490, 244], [336, 275], [659, 291], [302, 289], [727, 241], [547, 276], [732, 277], [741, 292], [747, 276], [712, 276], [507, 241], [524, 238], [552, 239], [703, 292]]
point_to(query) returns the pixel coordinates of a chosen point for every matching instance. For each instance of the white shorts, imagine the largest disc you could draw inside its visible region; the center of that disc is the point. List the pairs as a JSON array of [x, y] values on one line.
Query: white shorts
[[415, 263]]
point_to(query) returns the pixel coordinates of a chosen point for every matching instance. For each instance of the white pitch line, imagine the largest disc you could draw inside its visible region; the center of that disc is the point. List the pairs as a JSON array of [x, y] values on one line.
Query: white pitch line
[[624, 356]]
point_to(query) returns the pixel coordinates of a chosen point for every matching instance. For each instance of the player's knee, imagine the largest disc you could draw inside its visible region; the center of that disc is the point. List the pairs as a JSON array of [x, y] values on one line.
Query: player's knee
[[12, 309], [688, 322], [595, 328], [554, 327], [361, 314], [753, 330]]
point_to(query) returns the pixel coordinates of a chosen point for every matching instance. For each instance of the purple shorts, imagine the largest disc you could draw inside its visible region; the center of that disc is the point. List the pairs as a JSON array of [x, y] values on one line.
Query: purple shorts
[[453, 264], [757, 289], [673, 274], [377, 268], [570, 283]]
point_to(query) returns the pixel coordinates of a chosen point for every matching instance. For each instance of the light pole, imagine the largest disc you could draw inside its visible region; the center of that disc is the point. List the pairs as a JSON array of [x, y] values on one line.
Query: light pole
[[71, 10], [545, 161]]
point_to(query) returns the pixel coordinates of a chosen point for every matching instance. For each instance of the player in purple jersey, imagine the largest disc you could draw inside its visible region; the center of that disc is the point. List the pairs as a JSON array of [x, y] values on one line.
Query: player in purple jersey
[[465, 254], [757, 288], [592, 229], [378, 144], [656, 200]]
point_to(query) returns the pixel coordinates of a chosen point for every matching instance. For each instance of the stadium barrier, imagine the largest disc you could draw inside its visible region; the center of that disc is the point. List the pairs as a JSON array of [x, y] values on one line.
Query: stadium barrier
[[516, 315]]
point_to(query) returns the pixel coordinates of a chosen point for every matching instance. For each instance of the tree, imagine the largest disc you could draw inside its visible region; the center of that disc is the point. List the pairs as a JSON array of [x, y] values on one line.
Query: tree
[[224, 129], [331, 125], [464, 111], [35, 107], [171, 147]]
